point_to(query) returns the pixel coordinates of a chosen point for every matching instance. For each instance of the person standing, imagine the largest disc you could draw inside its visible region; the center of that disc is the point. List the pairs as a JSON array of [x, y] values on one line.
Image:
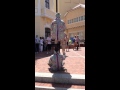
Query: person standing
[[41, 44], [48, 44], [56, 62], [67, 43], [52, 44], [37, 43], [77, 40]]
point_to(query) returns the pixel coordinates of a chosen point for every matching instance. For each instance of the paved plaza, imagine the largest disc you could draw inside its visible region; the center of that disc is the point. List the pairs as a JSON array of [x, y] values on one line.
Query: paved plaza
[[74, 62]]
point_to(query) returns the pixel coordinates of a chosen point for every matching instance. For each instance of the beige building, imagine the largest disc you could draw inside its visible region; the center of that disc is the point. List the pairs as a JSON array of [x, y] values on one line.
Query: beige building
[[66, 5], [75, 21], [71, 11], [44, 14]]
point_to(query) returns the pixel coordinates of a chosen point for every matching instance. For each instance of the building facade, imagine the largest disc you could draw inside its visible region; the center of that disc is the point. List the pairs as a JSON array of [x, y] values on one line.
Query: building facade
[[66, 5], [44, 14], [71, 11], [75, 21]]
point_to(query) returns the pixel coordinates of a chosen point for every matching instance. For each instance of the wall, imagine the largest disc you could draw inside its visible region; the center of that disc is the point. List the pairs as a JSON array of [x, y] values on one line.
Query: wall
[[65, 5], [75, 28]]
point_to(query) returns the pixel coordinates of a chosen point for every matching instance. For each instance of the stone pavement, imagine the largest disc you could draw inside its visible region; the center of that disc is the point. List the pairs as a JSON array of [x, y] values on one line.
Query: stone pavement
[[74, 62]]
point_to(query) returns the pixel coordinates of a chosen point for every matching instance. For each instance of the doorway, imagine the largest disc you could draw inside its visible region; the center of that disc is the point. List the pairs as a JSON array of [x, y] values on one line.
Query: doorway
[[47, 32]]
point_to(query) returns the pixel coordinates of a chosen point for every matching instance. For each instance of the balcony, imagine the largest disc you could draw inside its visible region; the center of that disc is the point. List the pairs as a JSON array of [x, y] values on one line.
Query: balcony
[[76, 24], [47, 13]]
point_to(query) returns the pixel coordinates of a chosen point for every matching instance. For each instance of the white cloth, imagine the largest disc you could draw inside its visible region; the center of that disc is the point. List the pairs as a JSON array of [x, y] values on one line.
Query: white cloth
[[41, 45], [48, 40], [41, 41], [41, 48]]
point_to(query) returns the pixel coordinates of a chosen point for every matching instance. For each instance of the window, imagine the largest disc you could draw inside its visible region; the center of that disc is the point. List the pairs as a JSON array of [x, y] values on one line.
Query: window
[[84, 17], [77, 19], [81, 18], [47, 4], [70, 21]]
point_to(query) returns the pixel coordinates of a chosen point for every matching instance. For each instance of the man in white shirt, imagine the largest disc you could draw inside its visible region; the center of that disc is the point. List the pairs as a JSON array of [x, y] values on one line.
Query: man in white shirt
[[48, 44], [41, 44], [37, 43]]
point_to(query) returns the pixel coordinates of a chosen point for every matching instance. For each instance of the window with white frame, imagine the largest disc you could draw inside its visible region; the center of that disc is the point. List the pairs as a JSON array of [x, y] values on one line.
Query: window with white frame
[[47, 4]]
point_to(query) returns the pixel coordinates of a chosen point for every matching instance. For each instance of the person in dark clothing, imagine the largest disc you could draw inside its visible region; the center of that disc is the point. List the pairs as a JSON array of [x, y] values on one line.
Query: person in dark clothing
[[52, 44], [43, 44], [57, 46]]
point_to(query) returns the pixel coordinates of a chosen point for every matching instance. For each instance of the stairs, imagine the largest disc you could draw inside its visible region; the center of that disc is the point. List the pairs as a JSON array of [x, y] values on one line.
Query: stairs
[[59, 81]]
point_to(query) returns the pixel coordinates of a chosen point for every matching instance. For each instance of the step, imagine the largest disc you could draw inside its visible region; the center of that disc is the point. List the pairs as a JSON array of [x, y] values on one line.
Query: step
[[60, 78], [53, 86]]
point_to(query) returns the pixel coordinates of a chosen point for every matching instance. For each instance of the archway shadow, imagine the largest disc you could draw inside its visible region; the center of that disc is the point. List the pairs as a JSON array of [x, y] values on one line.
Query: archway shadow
[[59, 83]]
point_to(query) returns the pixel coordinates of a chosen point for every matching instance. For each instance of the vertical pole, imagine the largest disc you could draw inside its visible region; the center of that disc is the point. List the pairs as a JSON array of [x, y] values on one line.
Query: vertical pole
[[56, 5]]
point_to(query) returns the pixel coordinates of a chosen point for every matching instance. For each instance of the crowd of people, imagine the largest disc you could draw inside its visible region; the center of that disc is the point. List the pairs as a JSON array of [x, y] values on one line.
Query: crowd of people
[[48, 44]]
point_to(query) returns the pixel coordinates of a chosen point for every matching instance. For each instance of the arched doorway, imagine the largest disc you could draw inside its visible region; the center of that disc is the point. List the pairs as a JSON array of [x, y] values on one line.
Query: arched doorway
[[47, 32]]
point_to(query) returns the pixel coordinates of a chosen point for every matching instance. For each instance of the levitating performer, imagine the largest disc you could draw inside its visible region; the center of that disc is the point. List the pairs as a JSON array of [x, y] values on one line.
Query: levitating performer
[[57, 30], [56, 61]]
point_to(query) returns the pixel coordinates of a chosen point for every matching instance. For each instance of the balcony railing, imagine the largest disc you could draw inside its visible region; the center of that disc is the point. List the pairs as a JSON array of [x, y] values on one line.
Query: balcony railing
[[47, 13]]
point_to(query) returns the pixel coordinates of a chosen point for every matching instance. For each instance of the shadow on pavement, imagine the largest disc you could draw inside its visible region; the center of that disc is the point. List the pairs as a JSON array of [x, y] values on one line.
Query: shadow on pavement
[[42, 55], [61, 85]]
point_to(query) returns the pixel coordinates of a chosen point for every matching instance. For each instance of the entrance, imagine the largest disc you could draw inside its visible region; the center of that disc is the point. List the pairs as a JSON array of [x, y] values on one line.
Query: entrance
[[47, 32]]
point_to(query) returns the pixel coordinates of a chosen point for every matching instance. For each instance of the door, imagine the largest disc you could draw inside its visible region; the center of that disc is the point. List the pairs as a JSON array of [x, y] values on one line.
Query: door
[[47, 32]]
